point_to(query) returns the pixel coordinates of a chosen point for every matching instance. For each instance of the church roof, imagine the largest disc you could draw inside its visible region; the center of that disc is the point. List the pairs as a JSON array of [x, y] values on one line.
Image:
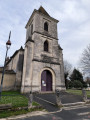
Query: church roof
[[43, 11], [21, 49]]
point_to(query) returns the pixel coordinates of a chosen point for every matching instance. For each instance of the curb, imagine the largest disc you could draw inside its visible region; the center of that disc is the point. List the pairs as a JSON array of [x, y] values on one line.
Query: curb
[[74, 104], [22, 116]]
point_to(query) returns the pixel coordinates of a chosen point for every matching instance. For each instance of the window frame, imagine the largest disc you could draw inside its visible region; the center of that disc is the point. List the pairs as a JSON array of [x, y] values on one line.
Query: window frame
[[46, 46], [46, 26], [31, 29]]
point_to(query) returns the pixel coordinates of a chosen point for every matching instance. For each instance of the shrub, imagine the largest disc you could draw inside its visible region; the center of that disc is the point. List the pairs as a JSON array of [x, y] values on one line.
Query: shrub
[[71, 84], [77, 84], [84, 85]]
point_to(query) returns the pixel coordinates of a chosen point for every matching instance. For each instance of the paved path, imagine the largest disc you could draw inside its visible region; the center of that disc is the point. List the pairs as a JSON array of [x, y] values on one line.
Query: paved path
[[75, 113], [48, 101], [46, 104]]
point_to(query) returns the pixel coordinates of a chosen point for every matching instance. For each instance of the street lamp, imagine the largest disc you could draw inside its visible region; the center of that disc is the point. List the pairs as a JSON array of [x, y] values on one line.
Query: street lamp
[[8, 44]]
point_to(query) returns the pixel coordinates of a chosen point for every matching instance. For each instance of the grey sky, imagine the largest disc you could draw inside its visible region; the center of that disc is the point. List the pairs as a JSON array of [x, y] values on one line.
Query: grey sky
[[73, 26]]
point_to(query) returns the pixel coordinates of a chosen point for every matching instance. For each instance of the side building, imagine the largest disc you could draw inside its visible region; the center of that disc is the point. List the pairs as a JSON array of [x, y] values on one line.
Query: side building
[[15, 63]]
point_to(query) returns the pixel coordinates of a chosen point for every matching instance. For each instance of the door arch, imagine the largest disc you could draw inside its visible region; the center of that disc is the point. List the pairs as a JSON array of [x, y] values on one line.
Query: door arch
[[46, 81]]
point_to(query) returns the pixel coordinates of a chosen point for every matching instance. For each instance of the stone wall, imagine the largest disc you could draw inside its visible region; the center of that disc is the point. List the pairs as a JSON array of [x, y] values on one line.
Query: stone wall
[[27, 66], [16, 64], [19, 70], [9, 80], [38, 21]]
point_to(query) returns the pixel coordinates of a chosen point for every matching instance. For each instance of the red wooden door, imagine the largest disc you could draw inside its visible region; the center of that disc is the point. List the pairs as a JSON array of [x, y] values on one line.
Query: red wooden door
[[46, 81]]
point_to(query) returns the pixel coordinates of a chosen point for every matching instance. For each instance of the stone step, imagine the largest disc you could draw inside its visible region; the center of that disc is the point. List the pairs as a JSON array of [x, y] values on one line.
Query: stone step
[[47, 92]]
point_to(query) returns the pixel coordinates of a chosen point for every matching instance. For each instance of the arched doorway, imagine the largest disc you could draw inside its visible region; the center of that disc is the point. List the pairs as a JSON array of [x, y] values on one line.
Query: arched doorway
[[46, 81]]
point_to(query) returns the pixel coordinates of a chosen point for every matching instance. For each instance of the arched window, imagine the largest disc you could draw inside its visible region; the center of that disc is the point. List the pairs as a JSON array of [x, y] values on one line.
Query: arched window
[[46, 46], [46, 26], [31, 29]]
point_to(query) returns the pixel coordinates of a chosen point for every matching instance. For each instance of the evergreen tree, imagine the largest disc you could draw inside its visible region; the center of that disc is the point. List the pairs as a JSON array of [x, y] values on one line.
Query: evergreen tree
[[76, 75]]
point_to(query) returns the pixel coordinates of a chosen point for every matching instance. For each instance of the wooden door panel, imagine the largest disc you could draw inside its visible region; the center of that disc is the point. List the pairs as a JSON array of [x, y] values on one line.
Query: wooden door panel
[[46, 81], [49, 81], [43, 81]]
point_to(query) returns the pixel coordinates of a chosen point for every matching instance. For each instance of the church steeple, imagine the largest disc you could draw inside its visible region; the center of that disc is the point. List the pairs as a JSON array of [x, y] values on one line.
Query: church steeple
[[42, 23], [43, 11]]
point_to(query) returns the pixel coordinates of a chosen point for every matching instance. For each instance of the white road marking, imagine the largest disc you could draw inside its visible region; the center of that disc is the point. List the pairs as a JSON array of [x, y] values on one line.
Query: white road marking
[[45, 100], [76, 103], [84, 113], [56, 111], [75, 107]]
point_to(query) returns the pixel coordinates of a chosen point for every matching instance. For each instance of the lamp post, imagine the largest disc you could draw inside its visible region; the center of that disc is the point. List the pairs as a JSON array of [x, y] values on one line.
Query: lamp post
[[8, 44]]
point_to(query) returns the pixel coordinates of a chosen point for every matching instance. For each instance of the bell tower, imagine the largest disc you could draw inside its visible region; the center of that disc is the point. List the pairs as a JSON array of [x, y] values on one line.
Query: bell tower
[[42, 54]]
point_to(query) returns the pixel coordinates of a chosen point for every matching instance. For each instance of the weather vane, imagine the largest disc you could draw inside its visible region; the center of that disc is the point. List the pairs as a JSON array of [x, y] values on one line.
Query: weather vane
[[40, 2]]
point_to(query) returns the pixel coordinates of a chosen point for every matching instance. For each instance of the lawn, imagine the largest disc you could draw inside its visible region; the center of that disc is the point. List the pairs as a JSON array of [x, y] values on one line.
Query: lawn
[[78, 92], [17, 100], [4, 114]]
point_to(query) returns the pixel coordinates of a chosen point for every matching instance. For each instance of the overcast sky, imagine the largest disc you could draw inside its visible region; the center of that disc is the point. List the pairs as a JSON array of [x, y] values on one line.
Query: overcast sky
[[73, 26]]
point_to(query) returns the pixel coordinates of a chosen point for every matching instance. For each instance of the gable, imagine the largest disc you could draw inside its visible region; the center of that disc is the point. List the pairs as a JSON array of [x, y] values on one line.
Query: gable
[[43, 11]]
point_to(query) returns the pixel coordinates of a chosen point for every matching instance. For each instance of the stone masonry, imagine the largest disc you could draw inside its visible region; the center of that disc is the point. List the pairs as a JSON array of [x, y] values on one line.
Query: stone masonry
[[36, 60], [39, 66]]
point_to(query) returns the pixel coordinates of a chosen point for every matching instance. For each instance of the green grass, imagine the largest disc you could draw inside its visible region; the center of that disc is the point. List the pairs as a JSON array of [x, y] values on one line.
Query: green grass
[[35, 104], [78, 92], [5, 114], [15, 98]]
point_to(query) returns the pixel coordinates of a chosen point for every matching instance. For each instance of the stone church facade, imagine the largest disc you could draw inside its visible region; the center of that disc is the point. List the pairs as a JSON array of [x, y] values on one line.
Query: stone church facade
[[39, 66]]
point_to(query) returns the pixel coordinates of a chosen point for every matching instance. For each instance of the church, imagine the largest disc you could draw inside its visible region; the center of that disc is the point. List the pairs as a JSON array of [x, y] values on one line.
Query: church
[[39, 66]]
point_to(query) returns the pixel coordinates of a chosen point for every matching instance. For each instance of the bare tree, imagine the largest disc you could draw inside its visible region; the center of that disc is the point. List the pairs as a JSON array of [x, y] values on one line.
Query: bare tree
[[67, 71], [87, 79], [67, 67], [85, 60]]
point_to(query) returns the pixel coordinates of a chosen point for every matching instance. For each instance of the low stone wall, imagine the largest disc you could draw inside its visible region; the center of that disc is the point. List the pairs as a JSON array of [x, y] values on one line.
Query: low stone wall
[[9, 80]]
